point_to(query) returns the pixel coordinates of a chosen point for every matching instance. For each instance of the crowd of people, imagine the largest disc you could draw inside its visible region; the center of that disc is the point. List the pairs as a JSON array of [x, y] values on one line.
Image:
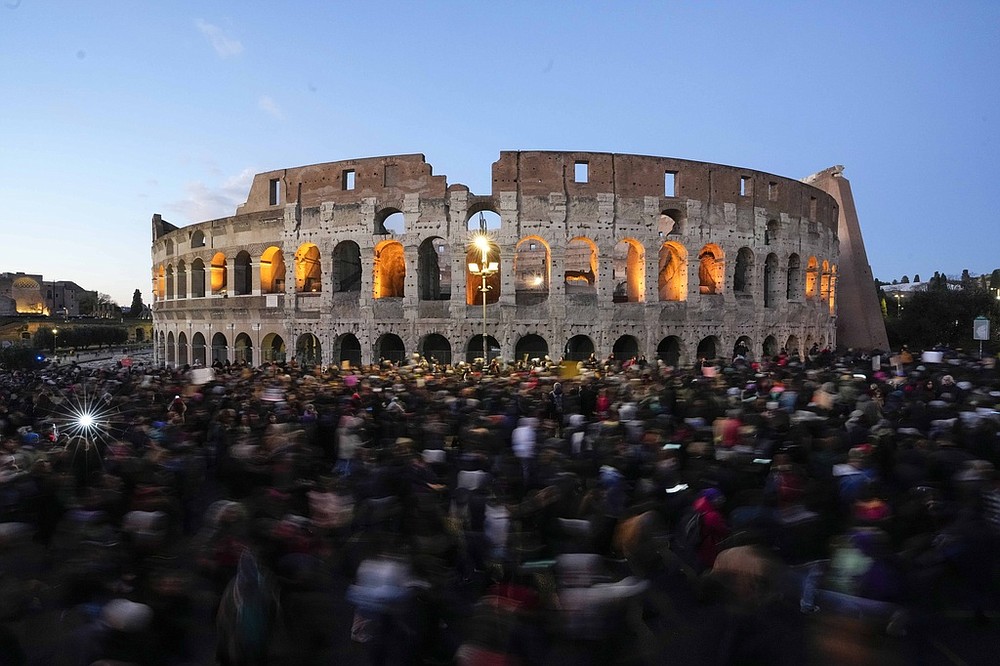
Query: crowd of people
[[597, 512]]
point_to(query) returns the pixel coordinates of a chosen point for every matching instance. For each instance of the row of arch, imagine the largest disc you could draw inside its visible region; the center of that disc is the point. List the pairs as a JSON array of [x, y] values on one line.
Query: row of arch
[[532, 270], [194, 349]]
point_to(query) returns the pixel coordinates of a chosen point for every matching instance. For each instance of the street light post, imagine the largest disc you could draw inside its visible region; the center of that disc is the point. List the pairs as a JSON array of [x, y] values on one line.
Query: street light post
[[483, 271], [55, 341]]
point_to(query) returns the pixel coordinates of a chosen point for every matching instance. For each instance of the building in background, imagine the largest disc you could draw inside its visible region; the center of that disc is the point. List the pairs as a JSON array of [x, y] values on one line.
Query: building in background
[[595, 253]]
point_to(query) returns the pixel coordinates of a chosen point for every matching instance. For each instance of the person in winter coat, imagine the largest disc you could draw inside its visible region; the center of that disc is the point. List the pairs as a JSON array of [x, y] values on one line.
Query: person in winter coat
[[714, 527]]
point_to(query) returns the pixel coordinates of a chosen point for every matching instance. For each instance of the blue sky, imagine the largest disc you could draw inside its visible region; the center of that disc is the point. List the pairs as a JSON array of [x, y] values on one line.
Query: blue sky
[[113, 111]]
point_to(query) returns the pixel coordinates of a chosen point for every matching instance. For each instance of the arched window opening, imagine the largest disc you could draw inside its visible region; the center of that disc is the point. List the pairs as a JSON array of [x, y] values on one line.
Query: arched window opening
[[671, 281], [168, 245], [484, 221], [579, 348], [308, 270], [708, 348], [793, 347], [181, 287], [711, 267], [242, 274], [482, 252], [272, 349], [389, 270], [669, 351], [171, 355], [531, 347], [219, 273], [160, 283], [625, 348], [198, 350], [771, 281], [833, 290], [308, 351], [474, 351], [770, 347], [347, 267], [434, 270], [629, 272], [197, 279], [198, 239], [170, 281], [824, 288], [671, 223], [389, 347], [220, 348], [390, 222], [742, 276], [436, 349], [182, 349], [793, 279], [743, 348], [243, 349], [531, 271], [350, 350], [272, 271], [812, 277], [580, 277], [771, 232]]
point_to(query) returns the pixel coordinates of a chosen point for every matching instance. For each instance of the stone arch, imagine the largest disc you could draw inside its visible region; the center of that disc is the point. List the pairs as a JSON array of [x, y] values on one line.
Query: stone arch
[[793, 278], [482, 252], [272, 271], [308, 350], [199, 352], [711, 269], [812, 277], [243, 349], [579, 348], [171, 350], [531, 346], [771, 232], [308, 269], [390, 347], [629, 271], [348, 348], [197, 279], [272, 349], [168, 246], [435, 346], [669, 351], [182, 349], [672, 222], [160, 282], [219, 272], [242, 274], [170, 281], [433, 270], [347, 267], [580, 276], [531, 271], [770, 347], [824, 283], [198, 239], [483, 219], [181, 287], [743, 347], [474, 350], [771, 280], [626, 347], [389, 271], [793, 346], [743, 272], [220, 348], [671, 281], [708, 348], [833, 289], [161, 346], [390, 221]]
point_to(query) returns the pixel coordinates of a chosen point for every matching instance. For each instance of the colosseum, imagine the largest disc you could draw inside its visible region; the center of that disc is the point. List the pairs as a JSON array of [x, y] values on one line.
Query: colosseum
[[572, 254]]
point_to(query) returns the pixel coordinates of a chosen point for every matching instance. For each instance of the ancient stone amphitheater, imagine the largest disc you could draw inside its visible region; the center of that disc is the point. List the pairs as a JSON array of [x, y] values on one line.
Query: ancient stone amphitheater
[[593, 253]]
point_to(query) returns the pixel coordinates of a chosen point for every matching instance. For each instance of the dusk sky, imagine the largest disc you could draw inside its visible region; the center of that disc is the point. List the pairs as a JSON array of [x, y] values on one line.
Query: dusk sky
[[114, 111]]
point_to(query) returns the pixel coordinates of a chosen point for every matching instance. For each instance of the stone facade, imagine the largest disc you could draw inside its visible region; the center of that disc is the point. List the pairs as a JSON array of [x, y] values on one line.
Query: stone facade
[[598, 253]]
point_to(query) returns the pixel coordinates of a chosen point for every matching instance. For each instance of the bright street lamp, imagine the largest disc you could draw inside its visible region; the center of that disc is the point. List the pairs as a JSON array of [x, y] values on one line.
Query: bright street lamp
[[483, 270], [55, 340]]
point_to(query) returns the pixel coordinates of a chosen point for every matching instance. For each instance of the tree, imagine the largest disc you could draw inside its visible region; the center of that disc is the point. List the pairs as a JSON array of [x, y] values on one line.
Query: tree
[[135, 310]]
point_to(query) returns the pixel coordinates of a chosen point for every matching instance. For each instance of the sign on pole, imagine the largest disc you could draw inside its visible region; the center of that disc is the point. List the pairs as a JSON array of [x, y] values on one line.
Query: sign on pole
[[980, 328]]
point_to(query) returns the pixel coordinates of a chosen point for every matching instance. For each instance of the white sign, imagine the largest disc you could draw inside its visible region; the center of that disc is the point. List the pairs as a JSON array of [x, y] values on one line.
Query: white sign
[[980, 328]]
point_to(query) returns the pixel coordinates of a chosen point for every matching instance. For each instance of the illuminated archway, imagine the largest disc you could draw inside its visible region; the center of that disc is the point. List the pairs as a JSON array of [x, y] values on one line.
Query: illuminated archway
[[272, 271], [629, 272], [219, 273], [243, 349], [389, 270], [308, 271], [711, 269], [671, 282], [824, 288], [833, 290], [272, 348], [308, 350], [580, 276], [531, 271], [812, 277], [159, 283]]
